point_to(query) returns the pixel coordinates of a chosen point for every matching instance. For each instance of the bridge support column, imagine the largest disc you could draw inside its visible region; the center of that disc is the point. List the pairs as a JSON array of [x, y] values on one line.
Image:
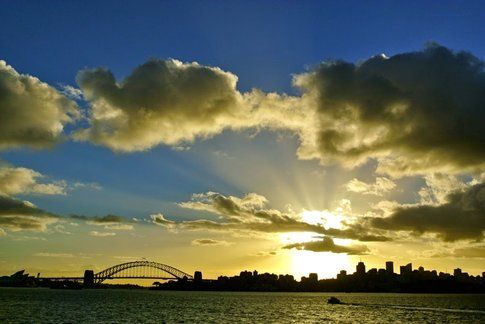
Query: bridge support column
[[88, 278]]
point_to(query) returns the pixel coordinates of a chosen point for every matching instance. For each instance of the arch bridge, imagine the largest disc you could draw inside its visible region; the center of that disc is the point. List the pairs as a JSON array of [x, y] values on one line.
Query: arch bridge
[[139, 270], [129, 270]]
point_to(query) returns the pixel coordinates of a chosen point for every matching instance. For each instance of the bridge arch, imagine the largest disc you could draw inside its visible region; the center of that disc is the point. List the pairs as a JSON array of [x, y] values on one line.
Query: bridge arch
[[110, 272]]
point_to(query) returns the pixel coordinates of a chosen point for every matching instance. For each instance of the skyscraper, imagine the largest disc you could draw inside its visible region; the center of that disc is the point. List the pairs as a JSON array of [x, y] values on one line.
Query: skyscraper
[[360, 269], [390, 267], [407, 269]]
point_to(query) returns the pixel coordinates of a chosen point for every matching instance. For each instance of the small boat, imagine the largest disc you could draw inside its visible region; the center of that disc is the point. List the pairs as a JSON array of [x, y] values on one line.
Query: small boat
[[334, 300]]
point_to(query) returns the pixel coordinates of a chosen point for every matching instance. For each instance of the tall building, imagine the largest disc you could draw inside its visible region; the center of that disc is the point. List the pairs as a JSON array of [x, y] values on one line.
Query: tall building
[[342, 275], [197, 277], [313, 277], [390, 267], [407, 269], [360, 269], [457, 272]]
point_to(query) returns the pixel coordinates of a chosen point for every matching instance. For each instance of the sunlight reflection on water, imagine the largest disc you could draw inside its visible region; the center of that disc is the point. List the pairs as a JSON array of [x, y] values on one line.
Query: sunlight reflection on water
[[45, 305]]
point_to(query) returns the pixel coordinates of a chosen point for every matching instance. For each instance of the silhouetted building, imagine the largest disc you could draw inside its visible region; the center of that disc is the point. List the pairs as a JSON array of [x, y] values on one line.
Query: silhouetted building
[[18, 279], [390, 267], [457, 272], [313, 277], [197, 277], [360, 269], [342, 275], [406, 270], [419, 281], [245, 274]]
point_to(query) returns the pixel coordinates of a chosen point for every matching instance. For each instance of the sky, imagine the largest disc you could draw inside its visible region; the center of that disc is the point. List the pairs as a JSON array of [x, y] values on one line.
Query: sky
[[282, 136]]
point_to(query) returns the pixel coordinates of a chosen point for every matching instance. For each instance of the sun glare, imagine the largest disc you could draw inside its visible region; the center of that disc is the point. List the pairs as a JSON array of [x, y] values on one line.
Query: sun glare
[[326, 265], [326, 218]]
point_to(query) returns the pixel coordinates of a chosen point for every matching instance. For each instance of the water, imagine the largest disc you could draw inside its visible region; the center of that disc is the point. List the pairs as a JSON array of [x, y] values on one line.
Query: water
[[129, 306]]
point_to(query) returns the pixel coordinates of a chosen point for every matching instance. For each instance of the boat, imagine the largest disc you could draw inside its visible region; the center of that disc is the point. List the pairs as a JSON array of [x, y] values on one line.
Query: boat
[[334, 300]]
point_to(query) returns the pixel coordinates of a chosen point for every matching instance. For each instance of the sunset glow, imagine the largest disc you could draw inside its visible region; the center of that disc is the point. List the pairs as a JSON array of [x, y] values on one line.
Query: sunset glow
[[282, 137]]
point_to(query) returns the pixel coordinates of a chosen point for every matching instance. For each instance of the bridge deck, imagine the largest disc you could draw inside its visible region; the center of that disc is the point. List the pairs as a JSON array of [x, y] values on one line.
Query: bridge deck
[[110, 278]]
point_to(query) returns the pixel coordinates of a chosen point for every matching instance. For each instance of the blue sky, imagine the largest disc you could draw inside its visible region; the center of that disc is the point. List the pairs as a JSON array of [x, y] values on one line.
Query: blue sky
[[263, 43]]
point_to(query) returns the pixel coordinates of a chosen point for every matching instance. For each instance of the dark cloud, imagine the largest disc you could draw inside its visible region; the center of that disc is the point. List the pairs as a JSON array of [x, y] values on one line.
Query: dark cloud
[[358, 232], [32, 113], [250, 214], [414, 112], [326, 244], [461, 217], [16, 215], [101, 220], [210, 242]]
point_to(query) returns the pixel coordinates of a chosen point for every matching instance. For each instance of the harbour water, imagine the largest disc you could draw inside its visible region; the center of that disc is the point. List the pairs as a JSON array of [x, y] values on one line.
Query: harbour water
[[36, 305]]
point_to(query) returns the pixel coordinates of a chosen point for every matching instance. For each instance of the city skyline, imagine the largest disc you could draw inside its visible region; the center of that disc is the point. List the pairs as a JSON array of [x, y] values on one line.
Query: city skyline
[[138, 273], [119, 272], [285, 137]]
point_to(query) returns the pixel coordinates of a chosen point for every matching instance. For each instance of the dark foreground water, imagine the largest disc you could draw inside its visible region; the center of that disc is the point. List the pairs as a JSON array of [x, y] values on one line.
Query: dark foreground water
[[131, 306]]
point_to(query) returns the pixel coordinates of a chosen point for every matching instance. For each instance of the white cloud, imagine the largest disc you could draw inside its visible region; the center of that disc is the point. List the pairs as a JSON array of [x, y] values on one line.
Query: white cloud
[[14, 181], [32, 113], [381, 186], [54, 255], [101, 234]]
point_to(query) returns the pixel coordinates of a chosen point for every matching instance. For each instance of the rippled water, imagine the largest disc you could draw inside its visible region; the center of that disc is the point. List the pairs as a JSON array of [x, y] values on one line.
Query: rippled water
[[113, 306]]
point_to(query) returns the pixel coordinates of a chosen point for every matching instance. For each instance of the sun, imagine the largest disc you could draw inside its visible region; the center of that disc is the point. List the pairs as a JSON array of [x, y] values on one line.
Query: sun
[[325, 264], [322, 217]]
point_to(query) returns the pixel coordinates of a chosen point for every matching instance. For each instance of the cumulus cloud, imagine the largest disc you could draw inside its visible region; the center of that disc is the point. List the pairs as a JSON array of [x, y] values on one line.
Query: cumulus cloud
[[326, 244], [439, 186], [210, 242], [14, 181], [250, 214], [169, 102], [413, 112], [462, 216], [32, 113], [160, 102], [16, 215], [381, 186], [71, 92]]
